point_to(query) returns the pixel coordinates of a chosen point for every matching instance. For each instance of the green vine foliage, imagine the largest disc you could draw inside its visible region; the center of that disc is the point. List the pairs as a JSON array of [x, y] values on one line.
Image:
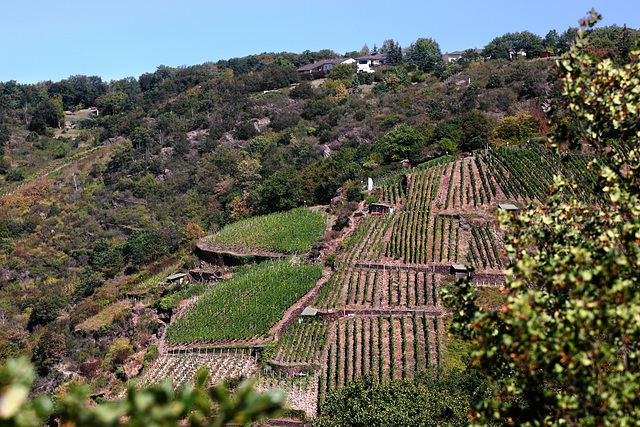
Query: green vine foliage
[[565, 348], [156, 406]]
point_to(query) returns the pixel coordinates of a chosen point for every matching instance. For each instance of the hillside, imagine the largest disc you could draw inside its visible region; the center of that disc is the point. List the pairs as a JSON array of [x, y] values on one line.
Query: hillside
[[181, 171]]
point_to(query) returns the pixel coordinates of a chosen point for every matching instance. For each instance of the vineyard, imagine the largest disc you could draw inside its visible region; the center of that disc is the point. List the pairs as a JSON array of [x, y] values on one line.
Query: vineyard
[[287, 232], [181, 367], [303, 343], [380, 309], [362, 287], [245, 306], [301, 392], [387, 346]]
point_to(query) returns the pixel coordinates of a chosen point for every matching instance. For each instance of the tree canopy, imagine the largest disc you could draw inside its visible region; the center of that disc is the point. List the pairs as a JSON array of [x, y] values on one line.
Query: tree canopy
[[424, 54], [510, 45]]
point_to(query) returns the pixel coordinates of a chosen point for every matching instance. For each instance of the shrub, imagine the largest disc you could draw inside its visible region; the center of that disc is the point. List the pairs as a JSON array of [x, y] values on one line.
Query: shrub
[[245, 131], [16, 175]]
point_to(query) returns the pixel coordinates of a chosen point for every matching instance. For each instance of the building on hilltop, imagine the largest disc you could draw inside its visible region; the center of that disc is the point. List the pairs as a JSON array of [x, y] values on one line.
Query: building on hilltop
[[369, 63], [452, 56], [324, 66]]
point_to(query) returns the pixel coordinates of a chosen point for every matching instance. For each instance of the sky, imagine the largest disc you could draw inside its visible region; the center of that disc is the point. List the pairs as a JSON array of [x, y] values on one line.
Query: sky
[[52, 40]]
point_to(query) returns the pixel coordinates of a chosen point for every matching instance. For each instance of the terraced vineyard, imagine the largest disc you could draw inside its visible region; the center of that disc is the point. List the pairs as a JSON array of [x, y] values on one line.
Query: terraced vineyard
[[303, 343], [245, 306], [180, 367], [287, 232], [380, 310]]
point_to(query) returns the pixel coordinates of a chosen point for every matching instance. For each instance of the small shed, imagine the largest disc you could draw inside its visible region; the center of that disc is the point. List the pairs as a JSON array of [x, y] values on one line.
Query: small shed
[[460, 271], [176, 278], [379, 209], [508, 207], [309, 312]]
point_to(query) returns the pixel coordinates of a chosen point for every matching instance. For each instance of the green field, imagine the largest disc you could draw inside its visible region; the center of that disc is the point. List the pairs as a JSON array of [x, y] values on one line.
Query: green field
[[289, 232], [246, 305]]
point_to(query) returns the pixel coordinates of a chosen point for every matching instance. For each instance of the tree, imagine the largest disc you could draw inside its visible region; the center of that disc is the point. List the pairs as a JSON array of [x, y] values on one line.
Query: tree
[[112, 103], [509, 46], [5, 135], [51, 349], [282, 191], [564, 349], [342, 71], [447, 146], [355, 84], [552, 41], [48, 113], [424, 54], [393, 51], [517, 129], [400, 143], [497, 49], [567, 38], [530, 43], [140, 138], [46, 309], [476, 129], [495, 81]]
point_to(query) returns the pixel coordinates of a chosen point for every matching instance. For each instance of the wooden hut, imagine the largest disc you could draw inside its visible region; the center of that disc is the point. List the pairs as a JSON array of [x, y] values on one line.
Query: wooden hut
[[508, 207], [379, 209], [176, 278], [459, 270]]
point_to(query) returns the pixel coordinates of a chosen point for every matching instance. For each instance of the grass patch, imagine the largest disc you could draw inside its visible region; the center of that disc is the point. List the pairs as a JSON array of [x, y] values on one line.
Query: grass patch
[[490, 297], [456, 354], [105, 317]]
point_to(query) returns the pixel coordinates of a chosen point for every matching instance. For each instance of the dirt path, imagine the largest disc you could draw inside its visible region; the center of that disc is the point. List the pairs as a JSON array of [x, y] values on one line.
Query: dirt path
[[292, 313]]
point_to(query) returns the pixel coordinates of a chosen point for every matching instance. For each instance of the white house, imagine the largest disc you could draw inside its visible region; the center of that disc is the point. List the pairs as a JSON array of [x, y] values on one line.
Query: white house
[[521, 53], [368, 64]]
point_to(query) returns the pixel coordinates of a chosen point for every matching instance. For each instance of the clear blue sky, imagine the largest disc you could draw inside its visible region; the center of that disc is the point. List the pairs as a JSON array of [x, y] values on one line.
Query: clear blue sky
[[52, 40]]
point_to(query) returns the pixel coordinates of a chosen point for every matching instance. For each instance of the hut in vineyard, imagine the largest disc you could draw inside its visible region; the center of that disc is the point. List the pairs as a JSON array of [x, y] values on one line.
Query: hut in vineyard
[[308, 313], [176, 278], [508, 207], [459, 270], [379, 209]]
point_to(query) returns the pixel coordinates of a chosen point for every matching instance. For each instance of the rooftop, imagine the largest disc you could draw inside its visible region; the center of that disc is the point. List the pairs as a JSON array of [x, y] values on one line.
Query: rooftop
[[309, 311], [320, 63], [175, 276]]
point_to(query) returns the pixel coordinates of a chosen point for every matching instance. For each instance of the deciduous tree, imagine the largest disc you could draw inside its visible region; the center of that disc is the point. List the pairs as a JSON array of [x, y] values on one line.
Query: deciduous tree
[[564, 349]]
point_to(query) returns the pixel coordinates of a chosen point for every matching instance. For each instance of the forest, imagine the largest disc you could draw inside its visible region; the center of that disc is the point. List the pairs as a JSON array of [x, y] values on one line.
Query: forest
[[107, 188]]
